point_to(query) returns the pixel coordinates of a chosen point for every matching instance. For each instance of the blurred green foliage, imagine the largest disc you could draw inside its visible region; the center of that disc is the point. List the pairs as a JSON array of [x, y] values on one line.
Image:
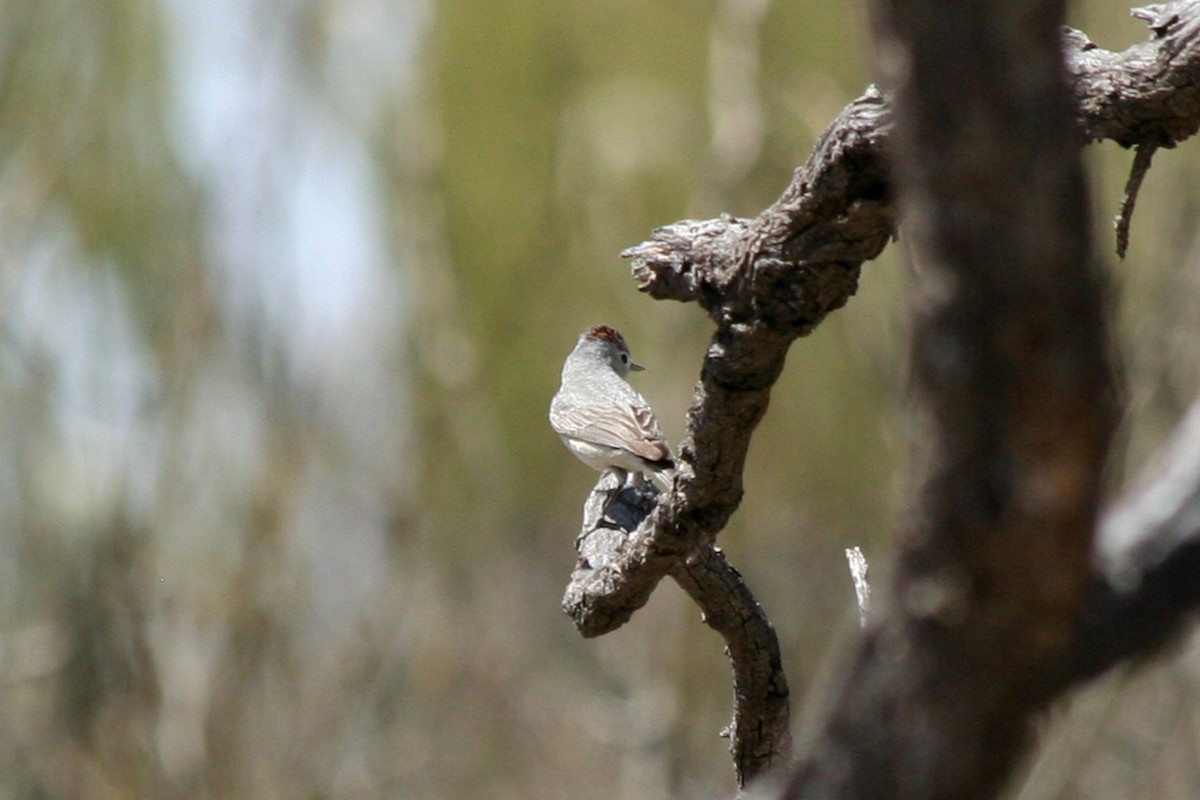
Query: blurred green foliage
[[284, 293]]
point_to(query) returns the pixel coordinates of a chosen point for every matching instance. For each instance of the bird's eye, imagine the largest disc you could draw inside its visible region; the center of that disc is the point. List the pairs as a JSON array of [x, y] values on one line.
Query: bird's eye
[[624, 358]]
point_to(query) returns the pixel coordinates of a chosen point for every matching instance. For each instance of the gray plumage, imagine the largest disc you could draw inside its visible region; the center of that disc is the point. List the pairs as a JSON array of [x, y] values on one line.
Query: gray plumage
[[603, 420]]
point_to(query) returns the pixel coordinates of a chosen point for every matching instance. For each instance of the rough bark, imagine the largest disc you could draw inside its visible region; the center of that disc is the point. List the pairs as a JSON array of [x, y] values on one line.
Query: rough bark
[[768, 280]]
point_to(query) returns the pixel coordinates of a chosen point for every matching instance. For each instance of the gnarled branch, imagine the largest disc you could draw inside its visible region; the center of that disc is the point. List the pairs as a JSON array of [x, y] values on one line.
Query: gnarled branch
[[768, 280]]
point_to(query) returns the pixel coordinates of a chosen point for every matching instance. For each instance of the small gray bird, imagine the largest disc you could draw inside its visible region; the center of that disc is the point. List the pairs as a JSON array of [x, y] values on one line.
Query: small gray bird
[[602, 419]]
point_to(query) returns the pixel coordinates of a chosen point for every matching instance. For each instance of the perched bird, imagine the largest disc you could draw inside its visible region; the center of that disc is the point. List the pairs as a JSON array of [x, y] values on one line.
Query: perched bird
[[602, 419]]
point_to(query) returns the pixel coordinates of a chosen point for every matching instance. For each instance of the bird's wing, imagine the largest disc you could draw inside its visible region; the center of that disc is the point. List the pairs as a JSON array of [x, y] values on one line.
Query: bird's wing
[[631, 426]]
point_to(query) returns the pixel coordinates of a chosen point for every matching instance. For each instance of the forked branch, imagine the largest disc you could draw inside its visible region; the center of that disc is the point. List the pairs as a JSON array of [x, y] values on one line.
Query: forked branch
[[768, 280]]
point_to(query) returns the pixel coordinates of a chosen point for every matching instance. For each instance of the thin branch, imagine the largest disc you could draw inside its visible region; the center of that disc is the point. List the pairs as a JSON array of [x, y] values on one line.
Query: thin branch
[[1143, 155], [759, 734]]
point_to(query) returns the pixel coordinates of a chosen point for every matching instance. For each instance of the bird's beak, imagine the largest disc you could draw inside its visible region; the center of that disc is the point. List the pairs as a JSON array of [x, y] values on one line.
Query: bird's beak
[[635, 367]]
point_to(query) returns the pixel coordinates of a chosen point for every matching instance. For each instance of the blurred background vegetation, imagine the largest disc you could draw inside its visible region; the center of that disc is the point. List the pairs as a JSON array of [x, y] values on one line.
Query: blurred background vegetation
[[284, 292]]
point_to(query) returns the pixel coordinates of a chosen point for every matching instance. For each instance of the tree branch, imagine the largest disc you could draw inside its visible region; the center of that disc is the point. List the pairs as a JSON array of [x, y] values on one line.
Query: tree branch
[[1009, 363], [1144, 587], [759, 734], [759, 737], [1148, 93], [769, 280], [1142, 157]]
